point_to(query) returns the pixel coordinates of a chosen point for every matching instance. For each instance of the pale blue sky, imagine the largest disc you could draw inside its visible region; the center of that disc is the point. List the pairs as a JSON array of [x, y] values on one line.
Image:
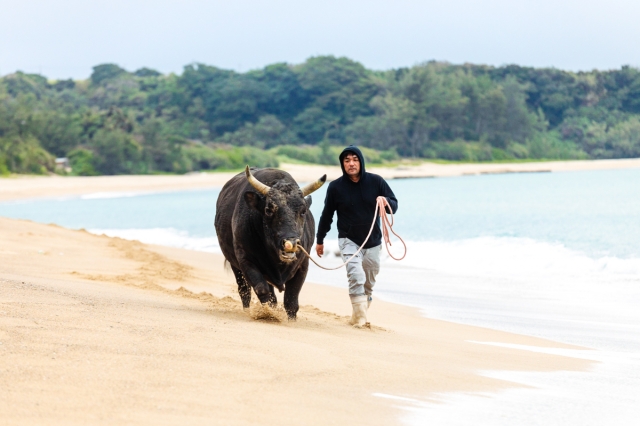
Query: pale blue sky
[[65, 38]]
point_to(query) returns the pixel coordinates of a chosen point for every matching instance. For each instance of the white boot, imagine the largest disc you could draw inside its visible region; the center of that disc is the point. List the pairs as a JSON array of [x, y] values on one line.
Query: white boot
[[359, 316]]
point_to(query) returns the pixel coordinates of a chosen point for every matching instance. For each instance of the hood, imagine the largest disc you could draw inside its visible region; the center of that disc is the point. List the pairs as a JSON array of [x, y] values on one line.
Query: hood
[[351, 149]]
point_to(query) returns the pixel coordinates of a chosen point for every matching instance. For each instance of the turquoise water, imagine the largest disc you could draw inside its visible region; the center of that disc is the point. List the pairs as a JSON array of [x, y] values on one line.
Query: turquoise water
[[595, 212], [555, 255], [191, 211]]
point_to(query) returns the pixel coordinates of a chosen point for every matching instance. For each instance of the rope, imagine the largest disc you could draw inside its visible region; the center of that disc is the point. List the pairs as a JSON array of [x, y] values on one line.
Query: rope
[[381, 204]]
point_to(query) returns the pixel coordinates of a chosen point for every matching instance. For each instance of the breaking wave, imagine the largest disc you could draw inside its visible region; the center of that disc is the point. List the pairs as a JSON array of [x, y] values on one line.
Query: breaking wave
[[511, 258], [164, 237]]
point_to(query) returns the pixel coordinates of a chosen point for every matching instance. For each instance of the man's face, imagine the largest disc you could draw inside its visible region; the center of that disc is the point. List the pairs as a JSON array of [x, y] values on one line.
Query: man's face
[[351, 164]]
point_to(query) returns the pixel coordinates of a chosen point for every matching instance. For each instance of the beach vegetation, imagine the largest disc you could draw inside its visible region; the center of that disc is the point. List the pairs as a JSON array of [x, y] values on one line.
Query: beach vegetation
[[208, 118]]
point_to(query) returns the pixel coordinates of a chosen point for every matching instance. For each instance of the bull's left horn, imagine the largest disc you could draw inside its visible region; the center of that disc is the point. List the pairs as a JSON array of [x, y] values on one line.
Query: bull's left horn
[[313, 186], [259, 186]]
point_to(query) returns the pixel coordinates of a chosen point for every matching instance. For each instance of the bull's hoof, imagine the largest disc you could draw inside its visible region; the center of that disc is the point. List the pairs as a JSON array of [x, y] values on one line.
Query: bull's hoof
[[267, 299], [267, 312]]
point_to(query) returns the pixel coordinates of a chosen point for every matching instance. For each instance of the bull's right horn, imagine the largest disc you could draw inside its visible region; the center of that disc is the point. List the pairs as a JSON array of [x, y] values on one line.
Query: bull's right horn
[[313, 186], [259, 186]]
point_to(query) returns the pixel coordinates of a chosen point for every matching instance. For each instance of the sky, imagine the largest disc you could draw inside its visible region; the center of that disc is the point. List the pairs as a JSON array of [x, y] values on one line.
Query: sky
[[66, 38]]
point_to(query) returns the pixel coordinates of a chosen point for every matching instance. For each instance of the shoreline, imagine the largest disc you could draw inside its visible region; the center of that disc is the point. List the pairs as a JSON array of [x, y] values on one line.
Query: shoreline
[[85, 339], [24, 187]]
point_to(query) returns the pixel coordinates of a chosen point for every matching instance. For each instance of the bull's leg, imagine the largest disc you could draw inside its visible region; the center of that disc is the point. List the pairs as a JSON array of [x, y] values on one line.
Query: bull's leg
[[243, 287], [259, 284], [273, 301], [292, 291]]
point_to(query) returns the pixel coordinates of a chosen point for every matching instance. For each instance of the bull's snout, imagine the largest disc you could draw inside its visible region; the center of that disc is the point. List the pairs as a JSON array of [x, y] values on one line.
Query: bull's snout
[[289, 244]]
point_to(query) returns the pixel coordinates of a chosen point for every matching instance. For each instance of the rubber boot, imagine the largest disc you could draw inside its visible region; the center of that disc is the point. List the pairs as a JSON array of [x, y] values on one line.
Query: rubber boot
[[359, 316]]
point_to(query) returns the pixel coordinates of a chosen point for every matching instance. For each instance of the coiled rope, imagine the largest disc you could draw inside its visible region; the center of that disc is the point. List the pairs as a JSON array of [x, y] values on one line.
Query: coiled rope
[[381, 204]]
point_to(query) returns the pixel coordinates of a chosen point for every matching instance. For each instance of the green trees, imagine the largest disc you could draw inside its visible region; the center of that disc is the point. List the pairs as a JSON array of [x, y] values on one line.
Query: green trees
[[20, 150], [266, 133], [598, 140], [106, 72], [23, 154], [206, 117], [434, 108]]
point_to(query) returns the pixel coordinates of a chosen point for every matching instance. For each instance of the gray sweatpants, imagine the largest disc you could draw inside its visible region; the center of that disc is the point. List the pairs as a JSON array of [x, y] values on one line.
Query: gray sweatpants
[[362, 269]]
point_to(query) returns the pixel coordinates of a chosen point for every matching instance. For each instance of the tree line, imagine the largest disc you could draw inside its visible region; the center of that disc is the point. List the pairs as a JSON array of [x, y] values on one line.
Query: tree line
[[119, 122]]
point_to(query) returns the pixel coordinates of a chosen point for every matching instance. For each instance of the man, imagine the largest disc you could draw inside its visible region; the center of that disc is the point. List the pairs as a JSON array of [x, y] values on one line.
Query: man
[[354, 197]]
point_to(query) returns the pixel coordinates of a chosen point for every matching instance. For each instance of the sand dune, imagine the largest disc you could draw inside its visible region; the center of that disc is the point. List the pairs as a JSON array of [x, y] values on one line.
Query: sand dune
[[98, 330]]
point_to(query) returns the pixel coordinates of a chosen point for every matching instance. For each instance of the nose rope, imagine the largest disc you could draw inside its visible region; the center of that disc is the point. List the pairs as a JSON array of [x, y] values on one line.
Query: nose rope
[[381, 204]]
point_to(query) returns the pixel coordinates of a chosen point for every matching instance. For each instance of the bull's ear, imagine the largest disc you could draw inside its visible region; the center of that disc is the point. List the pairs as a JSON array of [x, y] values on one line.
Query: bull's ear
[[254, 201], [307, 200]]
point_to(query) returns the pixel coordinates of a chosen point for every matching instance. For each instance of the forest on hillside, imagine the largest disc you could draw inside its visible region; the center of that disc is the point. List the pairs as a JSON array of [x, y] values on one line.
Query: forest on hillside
[[207, 118]]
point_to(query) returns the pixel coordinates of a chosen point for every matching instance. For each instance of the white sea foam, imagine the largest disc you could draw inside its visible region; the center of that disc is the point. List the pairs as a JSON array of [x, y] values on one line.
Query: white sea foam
[[528, 287], [115, 194], [604, 395], [165, 237], [512, 258]]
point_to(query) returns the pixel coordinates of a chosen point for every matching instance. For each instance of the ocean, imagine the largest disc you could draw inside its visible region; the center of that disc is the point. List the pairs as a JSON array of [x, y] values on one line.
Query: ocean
[[552, 255]]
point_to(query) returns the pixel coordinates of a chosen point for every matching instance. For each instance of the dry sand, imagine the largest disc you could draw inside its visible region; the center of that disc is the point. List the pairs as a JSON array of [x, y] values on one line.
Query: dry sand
[[97, 330], [55, 186]]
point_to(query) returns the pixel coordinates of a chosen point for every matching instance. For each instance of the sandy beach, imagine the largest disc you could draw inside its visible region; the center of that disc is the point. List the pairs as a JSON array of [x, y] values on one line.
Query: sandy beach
[[56, 186], [99, 330]]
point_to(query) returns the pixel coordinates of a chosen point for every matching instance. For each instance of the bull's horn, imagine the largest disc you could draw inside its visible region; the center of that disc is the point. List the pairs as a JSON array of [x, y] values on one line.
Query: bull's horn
[[259, 186], [313, 186]]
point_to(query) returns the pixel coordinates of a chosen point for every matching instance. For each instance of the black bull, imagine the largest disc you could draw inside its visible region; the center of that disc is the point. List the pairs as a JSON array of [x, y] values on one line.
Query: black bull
[[261, 217]]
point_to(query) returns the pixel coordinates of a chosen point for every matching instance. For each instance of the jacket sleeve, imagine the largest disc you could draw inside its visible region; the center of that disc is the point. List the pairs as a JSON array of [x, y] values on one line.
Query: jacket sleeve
[[326, 218], [386, 192]]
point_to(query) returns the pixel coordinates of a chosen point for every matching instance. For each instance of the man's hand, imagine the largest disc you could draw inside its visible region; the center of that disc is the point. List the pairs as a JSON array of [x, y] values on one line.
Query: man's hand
[[320, 249], [387, 208]]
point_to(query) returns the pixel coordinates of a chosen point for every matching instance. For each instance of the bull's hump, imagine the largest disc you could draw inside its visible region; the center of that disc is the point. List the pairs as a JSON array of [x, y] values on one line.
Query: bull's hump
[[272, 176]]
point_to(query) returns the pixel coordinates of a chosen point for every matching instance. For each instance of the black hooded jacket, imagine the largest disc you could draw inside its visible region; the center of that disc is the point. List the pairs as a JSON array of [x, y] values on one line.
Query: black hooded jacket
[[355, 203]]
